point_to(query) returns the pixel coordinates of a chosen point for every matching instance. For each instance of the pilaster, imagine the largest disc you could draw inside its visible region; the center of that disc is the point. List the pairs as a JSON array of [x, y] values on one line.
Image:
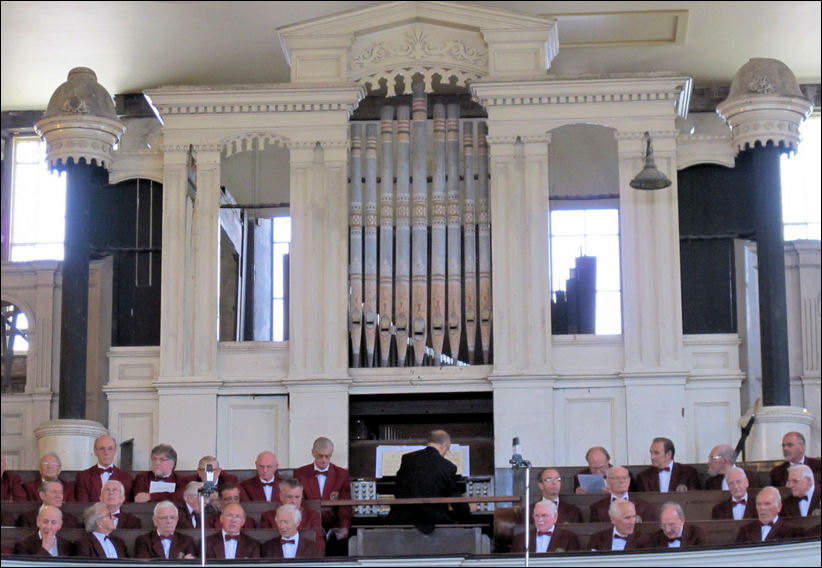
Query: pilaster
[[521, 292], [318, 345], [649, 249]]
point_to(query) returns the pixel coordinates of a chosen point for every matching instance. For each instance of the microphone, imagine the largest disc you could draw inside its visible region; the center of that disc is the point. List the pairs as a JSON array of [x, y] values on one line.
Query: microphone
[[516, 459], [208, 484]]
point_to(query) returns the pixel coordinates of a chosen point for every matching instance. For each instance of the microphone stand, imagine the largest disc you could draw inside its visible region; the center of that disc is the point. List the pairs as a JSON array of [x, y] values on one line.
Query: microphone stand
[[517, 462], [207, 489]]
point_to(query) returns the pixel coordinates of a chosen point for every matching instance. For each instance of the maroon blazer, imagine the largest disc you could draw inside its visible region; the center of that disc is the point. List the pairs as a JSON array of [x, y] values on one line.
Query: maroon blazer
[[33, 489], [562, 539], [247, 547], [724, 510], [252, 490], [142, 483], [681, 474], [338, 481], [599, 510], [587, 471], [692, 535], [714, 482], [602, 540], [752, 532], [128, 521], [88, 484], [311, 520], [305, 548], [790, 506], [149, 546], [11, 488], [29, 519], [32, 545], [89, 547], [779, 474]]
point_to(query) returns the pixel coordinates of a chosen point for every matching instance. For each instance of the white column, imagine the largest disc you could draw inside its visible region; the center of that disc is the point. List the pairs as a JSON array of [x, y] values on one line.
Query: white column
[[173, 332], [318, 341], [649, 248], [520, 240]]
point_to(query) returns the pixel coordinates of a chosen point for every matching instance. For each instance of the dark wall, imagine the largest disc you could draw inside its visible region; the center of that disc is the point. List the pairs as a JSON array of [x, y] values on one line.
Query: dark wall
[[127, 224], [714, 209]]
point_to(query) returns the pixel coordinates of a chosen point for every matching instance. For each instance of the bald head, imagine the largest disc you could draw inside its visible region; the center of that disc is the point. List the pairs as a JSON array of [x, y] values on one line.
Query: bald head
[[266, 464]]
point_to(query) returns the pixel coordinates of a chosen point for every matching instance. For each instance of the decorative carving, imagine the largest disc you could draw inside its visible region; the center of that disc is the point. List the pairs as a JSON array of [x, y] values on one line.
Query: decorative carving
[[419, 43], [245, 142], [762, 84]]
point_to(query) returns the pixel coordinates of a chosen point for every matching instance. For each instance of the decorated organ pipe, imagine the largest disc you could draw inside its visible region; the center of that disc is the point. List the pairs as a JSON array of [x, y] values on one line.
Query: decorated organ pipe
[[370, 242], [419, 222], [402, 259], [386, 276], [355, 245], [420, 248]]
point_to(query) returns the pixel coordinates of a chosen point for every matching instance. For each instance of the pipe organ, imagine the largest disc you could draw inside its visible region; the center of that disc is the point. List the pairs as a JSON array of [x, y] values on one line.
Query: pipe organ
[[419, 238]]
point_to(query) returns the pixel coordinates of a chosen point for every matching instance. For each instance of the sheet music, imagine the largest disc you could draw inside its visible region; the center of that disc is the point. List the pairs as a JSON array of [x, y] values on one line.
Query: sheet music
[[389, 458]]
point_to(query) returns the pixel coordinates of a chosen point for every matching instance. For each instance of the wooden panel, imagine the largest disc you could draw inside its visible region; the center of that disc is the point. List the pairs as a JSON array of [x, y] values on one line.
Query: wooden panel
[[248, 425]]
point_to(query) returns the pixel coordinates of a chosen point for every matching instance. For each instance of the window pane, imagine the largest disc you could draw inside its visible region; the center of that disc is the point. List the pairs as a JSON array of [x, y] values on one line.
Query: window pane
[[567, 222], [38, 204], [801, 186], [282, 229], [278, 320], [609, 313]]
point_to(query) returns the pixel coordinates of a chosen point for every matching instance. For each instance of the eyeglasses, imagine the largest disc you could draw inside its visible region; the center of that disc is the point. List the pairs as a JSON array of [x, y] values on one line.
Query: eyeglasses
[[550, 479], [50, 464], [167, 518]]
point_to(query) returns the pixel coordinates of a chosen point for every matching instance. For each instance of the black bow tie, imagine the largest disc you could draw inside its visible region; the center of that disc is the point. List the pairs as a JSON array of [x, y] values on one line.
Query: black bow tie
[[231, 537], [740, 502], [318, 472], [545, 533], [767, 524], [805, 498], [672, 540], [166, 537], [287, 541], [625, 538], [106, 470], [267, 484]]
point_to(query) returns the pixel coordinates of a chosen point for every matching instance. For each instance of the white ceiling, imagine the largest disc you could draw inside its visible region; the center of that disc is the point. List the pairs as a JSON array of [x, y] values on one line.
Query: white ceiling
[[134, 46]]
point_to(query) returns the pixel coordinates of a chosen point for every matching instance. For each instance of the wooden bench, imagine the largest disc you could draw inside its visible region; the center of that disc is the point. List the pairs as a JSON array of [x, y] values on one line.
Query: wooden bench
[[406, 540]]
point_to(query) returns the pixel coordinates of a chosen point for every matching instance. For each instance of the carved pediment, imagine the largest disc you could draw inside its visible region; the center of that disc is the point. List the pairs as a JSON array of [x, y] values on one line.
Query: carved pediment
[[455, 41]]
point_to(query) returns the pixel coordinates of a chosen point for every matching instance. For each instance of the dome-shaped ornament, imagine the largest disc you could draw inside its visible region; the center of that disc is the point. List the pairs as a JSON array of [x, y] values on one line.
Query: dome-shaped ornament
[[80, 122]]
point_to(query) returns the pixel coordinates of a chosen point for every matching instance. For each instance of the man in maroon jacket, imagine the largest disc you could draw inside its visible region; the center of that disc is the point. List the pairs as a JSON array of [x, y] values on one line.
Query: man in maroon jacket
[[550, 484], [11, 488], [164, 541], [720, 460], [323, 480], [291, 493], [673, 531], [264, 486], [769, 525], [740, 505], [51, 495], [545, 536], [617, 484], [90, 481], [665, 474], [805, 493], [621, 536], [793, 449], [46, 540], [98, 542], [230, 542], [161, 483], [290, 543], [50, 468]]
